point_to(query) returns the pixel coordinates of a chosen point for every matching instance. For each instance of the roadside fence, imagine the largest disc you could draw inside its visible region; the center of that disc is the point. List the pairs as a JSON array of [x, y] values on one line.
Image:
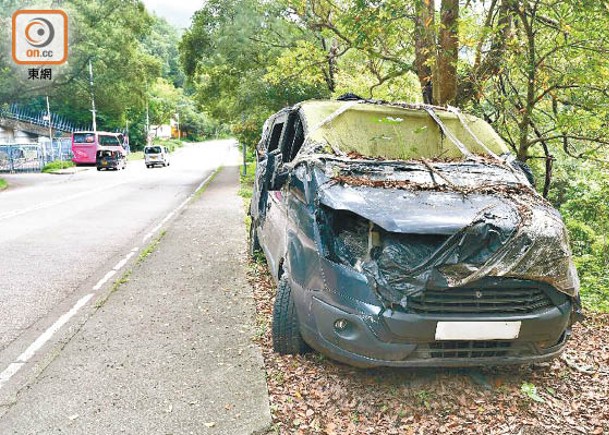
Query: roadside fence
[[32, 157]]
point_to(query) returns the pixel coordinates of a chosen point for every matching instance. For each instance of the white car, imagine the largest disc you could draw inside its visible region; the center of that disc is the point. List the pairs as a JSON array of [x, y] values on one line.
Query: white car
[[156, 155]]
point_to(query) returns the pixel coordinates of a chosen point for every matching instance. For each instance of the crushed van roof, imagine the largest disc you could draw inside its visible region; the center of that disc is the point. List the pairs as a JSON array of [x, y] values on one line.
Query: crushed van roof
[[398, 131]]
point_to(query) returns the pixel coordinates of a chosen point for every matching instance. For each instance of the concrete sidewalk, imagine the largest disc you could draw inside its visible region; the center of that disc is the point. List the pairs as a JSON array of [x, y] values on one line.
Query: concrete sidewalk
[[169, 352]]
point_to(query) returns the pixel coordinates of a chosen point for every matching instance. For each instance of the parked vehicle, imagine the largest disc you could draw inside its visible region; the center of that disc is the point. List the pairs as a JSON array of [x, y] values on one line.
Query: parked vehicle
[[108, 158], [156, 155], [86, 143], [406, 235]]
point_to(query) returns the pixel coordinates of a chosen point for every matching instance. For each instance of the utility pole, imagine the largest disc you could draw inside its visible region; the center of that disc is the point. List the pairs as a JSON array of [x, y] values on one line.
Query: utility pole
[[51, 129], [93, 99], [179, 131], [126, 138], [147, 117], [44, 154]]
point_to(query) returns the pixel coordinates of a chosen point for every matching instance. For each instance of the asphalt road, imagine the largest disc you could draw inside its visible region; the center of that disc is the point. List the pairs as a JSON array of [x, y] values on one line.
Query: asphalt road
[[59, 233]]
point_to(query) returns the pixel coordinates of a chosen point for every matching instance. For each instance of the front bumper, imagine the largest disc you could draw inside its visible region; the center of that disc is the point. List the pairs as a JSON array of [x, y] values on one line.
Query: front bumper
[[374, 336], [359, 345]]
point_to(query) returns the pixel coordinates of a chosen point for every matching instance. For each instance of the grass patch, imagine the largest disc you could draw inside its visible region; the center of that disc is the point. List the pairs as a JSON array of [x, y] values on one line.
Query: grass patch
[[150, 248], [136, 155], [3, 184], [246, 187], [122, 280], [57, 165]]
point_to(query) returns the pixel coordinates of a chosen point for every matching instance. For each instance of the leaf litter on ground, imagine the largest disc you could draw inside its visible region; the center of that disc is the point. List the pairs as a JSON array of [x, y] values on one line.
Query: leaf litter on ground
[[312, 394]]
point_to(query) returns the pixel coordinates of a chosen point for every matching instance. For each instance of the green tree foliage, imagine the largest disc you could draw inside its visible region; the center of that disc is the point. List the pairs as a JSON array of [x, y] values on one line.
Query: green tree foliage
[[536, 70], [550, 91], [164, 98], [586, 213], [162, 43], [135, 61], [226, 55], [108, 33]]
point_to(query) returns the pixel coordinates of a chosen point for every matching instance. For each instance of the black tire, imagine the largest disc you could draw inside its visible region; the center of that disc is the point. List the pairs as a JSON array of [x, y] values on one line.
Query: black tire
[[287, 339], [254, 242], [99, 169]]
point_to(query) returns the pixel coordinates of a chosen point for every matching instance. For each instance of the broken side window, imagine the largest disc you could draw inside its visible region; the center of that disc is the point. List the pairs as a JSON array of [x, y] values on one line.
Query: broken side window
[[275, 136], [286, 140], [298, 138]]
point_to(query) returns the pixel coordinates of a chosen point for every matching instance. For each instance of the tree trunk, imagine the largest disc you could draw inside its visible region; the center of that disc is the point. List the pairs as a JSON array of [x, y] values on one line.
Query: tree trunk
[[531, 74], [425, 46], [445, 77]]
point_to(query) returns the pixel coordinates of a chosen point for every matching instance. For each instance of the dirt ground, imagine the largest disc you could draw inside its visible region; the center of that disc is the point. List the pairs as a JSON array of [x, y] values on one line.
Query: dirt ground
[[312, 394]]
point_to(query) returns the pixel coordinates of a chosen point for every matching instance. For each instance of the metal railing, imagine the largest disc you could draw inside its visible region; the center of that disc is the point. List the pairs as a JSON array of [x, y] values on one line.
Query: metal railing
[[58, 123], [32, 157]]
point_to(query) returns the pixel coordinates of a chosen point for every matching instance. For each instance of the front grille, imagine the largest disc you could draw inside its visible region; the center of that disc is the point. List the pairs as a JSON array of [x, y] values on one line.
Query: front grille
[[472, 349], [479, 301], [465, 349]]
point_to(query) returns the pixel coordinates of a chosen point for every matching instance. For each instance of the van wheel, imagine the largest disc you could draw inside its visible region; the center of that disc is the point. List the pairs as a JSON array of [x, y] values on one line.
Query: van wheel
[[286, 331], [254, 242]]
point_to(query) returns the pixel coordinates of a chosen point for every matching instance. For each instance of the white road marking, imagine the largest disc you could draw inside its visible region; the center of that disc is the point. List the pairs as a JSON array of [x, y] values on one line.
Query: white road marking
[[14, 367], [177, 209], [27, 354], [46, 335], [9, 372], [121, 263], [104, 280]]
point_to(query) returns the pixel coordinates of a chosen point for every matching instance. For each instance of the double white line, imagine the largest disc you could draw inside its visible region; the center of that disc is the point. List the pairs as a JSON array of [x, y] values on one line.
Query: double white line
[[28, 353]]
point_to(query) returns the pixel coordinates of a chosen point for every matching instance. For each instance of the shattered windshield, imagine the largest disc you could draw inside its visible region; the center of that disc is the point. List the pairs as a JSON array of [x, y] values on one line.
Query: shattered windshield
[[389, 132], [425, 175]]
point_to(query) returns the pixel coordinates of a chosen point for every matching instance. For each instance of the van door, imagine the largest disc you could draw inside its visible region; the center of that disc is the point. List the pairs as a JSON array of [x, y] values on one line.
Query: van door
[[272, 216]]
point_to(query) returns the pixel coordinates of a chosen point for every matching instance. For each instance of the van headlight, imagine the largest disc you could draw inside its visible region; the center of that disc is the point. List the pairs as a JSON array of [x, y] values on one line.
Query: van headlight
[[346, 237]]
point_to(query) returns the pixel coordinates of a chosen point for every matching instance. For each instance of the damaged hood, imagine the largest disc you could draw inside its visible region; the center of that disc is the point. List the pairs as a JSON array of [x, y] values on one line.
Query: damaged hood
[[496, 234], [402, 211]]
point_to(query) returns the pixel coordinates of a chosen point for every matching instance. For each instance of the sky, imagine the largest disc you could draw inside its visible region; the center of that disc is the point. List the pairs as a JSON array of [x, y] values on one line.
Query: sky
[[177, 12]]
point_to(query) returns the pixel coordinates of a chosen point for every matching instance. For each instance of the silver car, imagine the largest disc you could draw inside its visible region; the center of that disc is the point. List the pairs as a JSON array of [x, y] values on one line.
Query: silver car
[[156, 155]]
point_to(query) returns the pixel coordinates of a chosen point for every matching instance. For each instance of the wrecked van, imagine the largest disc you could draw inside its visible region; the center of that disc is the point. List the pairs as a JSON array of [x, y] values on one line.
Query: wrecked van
[[406, 235]]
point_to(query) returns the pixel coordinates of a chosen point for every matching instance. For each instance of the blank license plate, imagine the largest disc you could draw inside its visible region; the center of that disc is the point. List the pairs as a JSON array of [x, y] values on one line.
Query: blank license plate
[[477, 330]]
